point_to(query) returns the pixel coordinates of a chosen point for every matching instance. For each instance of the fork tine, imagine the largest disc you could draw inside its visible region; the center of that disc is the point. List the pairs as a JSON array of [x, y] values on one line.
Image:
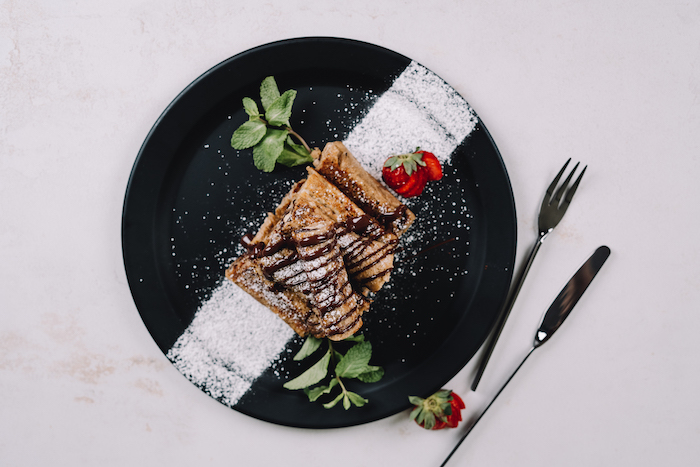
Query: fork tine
[[550, 190], [572, 190], [562, 188]]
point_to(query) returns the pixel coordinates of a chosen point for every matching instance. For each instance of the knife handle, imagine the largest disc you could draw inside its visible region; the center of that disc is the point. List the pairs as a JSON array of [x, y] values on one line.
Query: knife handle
[[569, 296]]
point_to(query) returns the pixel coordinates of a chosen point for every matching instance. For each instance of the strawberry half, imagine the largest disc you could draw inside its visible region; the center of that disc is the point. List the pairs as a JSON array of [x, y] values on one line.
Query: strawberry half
[[414, 186], [395, 177], [407, 174], [432, 165], [441, 410]]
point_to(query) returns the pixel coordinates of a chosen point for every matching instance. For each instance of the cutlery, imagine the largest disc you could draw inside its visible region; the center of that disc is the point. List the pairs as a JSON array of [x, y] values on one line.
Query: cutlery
[[553, 318], [551, 212]]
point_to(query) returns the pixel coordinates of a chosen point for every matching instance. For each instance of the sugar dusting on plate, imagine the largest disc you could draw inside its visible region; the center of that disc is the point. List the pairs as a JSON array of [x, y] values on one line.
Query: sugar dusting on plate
[[230, 342], [233, 339], [418, 110]]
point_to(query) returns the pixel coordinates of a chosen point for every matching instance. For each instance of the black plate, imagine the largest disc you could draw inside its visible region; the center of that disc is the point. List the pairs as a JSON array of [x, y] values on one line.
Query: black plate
[[190, 192]]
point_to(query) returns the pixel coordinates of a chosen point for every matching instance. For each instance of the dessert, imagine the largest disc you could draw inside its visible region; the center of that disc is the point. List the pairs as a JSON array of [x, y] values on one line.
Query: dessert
[[328, 247]]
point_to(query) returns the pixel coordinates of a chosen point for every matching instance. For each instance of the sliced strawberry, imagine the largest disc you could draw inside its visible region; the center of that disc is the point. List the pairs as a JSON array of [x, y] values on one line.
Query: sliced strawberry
[[395, 178], [407, 174], [457, 405], [432, 165], [414, 186], [441, 410]]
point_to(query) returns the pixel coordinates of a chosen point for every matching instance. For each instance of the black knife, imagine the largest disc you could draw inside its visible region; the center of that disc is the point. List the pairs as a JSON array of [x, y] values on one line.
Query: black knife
[[555, 315]]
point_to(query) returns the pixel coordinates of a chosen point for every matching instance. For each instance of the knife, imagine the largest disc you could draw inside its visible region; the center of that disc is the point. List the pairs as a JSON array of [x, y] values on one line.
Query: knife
[[553, 318]]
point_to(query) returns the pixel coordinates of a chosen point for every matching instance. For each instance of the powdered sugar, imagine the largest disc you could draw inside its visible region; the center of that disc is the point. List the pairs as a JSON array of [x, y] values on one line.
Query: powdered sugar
[[419, 109], [232, 340]]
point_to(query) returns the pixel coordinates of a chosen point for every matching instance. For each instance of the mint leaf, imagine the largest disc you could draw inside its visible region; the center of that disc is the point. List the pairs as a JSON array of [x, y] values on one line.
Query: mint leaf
[[250, 107], [354, 364], [360, 338], [266, 152], [318, 391], [263, 160], [299, 149], [278, 112], [355, 361], [248, 135], [271, 144], [372, 374], [292, 158], [337, 356], [311, 376], [310, 345], [332, 403], [268, 92], [294, 154], [356, 399]]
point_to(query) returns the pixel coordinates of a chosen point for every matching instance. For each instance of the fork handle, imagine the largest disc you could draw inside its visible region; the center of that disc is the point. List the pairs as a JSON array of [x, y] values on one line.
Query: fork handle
[[505, 312]]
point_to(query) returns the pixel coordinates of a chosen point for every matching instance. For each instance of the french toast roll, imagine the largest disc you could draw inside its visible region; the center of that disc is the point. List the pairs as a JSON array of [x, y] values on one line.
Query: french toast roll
[[289, 304], [342, 169]]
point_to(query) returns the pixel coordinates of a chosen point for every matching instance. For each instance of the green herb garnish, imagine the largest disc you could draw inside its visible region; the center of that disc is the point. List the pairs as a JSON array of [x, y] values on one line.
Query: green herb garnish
[[269, 133], [353, 365]]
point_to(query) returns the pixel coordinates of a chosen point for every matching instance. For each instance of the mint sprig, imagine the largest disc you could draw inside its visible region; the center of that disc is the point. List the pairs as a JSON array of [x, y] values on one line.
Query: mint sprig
[[336, 367], [269, 132]]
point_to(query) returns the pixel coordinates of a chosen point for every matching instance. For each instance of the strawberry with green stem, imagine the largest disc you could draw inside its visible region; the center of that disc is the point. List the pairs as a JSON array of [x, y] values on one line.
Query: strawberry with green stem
[[408, 174], [441, 410]]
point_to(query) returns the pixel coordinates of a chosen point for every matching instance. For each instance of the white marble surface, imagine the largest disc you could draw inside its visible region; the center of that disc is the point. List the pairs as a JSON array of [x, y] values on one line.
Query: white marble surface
[[613, 84]]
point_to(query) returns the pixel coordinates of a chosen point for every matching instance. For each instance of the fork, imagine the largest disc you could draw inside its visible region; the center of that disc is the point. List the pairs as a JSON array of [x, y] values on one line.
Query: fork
[[552, 210]]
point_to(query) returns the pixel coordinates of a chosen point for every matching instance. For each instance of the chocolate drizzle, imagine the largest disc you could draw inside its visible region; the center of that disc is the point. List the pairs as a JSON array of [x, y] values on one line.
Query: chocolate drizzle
[[247, 240], [285, 261], [274, 247], [355, 252], [312, 261], [360, 225], [389, 218]]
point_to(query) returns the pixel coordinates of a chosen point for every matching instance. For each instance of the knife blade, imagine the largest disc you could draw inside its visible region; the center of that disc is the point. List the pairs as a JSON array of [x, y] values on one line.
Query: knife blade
[[553, 318]]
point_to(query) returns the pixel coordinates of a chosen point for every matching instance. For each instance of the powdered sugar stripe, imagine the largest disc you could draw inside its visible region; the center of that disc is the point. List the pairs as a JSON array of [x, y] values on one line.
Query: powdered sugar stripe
[[232, 340], [419, 109]]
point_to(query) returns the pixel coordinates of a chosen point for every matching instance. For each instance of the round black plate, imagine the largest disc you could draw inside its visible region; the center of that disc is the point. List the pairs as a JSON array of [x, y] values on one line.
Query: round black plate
[[190, 192]]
